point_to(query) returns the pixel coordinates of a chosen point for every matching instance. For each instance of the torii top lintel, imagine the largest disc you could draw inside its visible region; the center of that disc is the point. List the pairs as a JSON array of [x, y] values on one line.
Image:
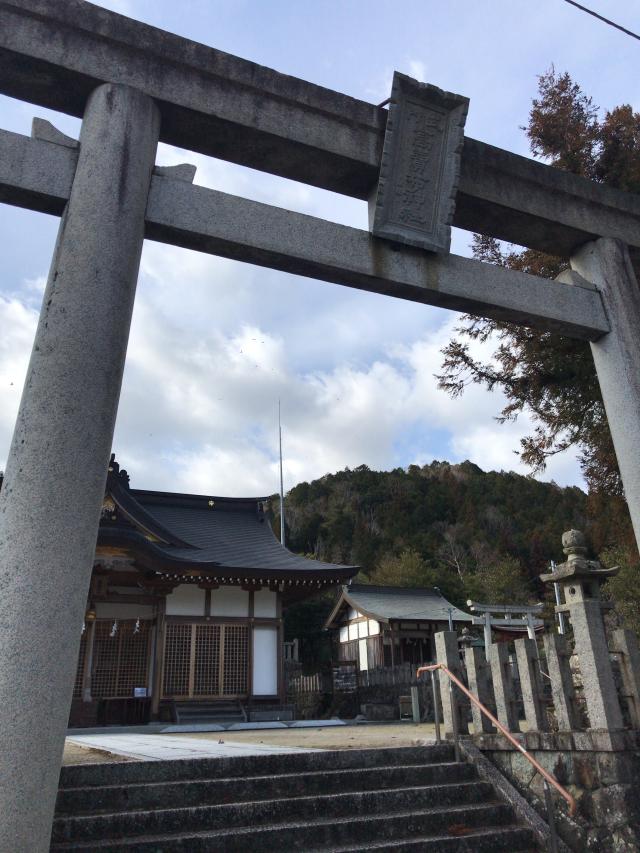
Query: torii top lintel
[[54, 54]]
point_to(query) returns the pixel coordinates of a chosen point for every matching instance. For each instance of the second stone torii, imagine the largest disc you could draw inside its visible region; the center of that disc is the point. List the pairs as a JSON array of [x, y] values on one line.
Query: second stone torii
[[507, 616]]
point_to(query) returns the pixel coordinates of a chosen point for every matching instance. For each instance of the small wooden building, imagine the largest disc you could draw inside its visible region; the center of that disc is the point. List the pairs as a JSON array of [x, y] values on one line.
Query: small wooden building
[[380, 626], [186, 603]]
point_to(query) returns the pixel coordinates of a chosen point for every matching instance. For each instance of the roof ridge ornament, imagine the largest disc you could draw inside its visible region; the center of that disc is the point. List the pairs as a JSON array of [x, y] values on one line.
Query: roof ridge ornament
[[121, 475]]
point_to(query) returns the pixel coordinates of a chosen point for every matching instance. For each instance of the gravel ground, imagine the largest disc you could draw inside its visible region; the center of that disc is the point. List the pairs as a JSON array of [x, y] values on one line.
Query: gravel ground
[[331, 737], [76, 754]]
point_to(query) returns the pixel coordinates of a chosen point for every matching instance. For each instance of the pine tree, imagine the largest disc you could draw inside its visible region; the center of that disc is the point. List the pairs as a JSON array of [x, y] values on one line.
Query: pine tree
[[552, 377]]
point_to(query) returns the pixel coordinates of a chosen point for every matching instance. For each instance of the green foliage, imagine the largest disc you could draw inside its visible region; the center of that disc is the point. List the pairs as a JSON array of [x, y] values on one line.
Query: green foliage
[[406, 569], [501, 582], [623, 590], [304, 621], [410, 569], [551, 377], [471, 533]]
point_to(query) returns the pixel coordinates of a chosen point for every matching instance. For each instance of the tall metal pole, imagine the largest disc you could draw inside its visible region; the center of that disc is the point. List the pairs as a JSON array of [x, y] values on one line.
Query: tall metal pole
[[281, 481], [56, 472]]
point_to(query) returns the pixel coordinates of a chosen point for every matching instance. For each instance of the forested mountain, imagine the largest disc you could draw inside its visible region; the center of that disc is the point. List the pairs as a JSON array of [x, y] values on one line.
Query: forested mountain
[[473, 533]]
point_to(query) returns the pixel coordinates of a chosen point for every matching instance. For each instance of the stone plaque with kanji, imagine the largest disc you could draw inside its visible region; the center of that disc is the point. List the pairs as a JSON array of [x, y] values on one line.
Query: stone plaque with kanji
[[415, 196]]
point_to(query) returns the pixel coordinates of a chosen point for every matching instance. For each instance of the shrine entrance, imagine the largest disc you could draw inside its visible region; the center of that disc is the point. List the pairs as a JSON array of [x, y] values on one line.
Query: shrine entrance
[[206, 661], [134, 86]]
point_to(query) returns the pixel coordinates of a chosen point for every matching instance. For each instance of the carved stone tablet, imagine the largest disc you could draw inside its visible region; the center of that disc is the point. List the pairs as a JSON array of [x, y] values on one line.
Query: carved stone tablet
[[415, 197]]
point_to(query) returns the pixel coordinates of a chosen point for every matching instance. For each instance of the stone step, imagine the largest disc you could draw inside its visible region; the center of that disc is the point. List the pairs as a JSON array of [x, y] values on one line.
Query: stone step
[[510, 839], [139, 772], [453, 826], [189, 712], [257, 812], [235, 710], [222, 711], [200, 792], [214, 714]]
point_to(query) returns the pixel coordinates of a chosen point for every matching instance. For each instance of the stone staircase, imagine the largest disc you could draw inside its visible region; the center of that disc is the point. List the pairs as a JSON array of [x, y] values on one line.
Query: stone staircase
[[406, 799], [209, 712]]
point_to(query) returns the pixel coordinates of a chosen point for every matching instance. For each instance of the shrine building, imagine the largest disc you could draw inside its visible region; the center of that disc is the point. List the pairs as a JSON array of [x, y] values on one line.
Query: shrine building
[[380, 626], [185, 606]]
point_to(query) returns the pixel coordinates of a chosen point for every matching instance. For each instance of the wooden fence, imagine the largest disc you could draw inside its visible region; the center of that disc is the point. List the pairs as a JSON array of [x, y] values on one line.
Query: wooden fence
[[305, 684]]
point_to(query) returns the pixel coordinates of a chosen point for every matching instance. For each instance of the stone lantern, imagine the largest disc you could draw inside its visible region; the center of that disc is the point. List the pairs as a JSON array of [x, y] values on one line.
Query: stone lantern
[[580, 579]]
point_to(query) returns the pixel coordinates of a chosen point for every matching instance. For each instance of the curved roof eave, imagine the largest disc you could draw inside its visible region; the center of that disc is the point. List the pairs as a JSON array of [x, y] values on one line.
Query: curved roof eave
[[145, 551], [139, 516], [345, 599]]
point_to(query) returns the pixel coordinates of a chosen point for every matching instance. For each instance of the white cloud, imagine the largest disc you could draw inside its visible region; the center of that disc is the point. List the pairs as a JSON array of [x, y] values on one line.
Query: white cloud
[[18, 324], [354, 370], [418, 70], [199, 406], [263, 187]]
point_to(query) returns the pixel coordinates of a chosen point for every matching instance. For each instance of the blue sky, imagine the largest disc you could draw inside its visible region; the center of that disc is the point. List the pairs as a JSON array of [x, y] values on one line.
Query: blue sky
[[214, 343]]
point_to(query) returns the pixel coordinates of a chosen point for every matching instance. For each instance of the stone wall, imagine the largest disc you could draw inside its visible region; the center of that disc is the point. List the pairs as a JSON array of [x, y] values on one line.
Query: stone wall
[[600, 769]]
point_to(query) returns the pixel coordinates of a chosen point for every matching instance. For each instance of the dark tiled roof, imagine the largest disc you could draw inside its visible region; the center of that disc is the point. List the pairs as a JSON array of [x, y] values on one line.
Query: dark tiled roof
[[211, 533], [387, 603], [232, 533]]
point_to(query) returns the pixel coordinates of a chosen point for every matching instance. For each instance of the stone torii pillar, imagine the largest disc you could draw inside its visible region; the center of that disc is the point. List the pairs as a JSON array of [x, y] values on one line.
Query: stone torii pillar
[[605, 265], [580, 581], [56, 473]]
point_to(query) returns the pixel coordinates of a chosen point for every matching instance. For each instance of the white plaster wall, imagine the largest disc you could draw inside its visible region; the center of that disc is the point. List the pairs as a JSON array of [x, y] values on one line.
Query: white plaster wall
[[265, 661], [362, 654], [353, 631], [374, 627], [106, 610], [344, 634], [186, 600], [265, 603], [230, 601]]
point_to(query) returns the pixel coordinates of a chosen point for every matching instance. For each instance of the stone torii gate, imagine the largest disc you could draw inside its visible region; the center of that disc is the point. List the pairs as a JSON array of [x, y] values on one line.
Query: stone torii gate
[[134, 85]]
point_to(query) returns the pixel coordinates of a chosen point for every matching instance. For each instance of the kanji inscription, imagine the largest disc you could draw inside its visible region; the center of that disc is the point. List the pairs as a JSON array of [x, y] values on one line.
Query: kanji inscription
[[414, 200]]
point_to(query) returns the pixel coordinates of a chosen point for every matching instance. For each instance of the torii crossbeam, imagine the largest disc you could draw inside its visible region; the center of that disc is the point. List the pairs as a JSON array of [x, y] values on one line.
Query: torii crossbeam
[[134, 85]]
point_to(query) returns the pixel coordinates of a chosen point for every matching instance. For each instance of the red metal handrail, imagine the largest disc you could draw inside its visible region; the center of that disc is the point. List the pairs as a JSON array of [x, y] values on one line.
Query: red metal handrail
[[545, 775]]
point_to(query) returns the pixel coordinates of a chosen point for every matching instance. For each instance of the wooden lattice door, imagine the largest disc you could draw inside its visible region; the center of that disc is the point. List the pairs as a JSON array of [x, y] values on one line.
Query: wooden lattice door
[[205, 661], [120, 657]]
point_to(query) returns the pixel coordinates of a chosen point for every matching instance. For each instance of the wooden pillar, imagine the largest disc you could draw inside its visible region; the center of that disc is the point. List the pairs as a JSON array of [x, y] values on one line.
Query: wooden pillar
[[250, 645], [158, 665], [88, 661], [393, 653], [281, 690]]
